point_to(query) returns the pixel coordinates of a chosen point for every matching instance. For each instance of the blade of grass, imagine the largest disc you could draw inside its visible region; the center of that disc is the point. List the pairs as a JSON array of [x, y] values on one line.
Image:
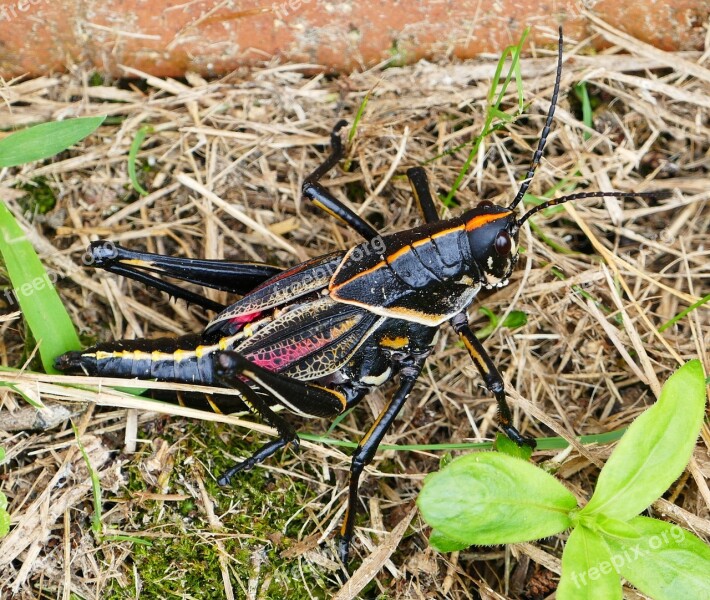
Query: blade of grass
[[347, 163], [493, 109], [582, 94], [95, 485], [585, 294], [550, 443], [19, 392], [45, 140], [89, 388], [550, 242], [132, 155], [454, 149], [683, 313], [358, 116], [34, 292]]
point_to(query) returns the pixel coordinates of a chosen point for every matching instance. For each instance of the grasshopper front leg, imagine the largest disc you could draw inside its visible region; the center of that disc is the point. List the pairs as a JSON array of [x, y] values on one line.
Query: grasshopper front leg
[[491, 377]]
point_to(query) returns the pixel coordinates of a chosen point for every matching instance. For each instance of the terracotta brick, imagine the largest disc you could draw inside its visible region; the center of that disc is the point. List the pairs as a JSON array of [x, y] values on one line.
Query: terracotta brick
[[167, 38]]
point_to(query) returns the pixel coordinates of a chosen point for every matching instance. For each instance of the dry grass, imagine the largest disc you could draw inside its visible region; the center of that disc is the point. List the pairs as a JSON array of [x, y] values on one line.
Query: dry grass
[[250, 139]]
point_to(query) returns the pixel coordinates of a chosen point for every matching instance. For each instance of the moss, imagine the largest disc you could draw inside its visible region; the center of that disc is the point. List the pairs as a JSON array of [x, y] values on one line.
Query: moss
[[96, 79], [261, 515], [355, 192], [398, 55], [40, 198], [88, 339]]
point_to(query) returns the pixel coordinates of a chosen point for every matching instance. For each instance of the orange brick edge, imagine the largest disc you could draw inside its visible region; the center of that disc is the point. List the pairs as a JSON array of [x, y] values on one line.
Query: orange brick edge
[[167, 38]]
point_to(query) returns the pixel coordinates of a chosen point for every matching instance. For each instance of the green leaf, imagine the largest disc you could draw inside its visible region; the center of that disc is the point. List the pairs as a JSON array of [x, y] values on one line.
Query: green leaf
[[666, 562], [608, 527], [32, 289], [516, 318], [490, 498], [25, 397], [486, 330], [45, 140], [588, 572], [655, 449], [4, 516], [490, 314], [4, 523], [505, 445], [441, 543]]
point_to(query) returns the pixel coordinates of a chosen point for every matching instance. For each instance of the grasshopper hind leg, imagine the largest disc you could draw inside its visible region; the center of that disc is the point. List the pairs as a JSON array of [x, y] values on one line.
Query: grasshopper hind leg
[[227, 370], [237, 372], [238, 277]]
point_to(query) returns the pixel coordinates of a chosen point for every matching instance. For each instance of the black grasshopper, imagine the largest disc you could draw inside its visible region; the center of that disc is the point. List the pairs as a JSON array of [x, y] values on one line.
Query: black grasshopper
[[317, 337]]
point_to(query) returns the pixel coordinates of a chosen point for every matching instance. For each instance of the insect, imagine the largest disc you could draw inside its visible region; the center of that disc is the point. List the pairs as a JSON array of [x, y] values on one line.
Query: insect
[[315, 338]]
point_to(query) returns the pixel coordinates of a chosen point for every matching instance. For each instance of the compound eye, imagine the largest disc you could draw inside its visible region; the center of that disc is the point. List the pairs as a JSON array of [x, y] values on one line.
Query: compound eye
[[485, 204], [503, 243]]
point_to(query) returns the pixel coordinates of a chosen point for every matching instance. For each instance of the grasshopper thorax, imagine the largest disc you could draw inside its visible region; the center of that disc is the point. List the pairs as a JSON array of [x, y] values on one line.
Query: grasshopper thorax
[[492, 233]]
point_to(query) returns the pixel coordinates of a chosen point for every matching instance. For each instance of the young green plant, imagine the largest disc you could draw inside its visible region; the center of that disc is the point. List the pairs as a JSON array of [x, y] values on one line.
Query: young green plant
[[490, 498]]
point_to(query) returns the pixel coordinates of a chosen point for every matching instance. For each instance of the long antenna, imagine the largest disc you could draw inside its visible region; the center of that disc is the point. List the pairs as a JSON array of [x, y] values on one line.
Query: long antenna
[[554, 202], [545, 131]]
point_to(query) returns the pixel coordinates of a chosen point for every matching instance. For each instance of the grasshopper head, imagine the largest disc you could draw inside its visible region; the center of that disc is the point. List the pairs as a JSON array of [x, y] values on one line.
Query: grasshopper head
[[493, 237]]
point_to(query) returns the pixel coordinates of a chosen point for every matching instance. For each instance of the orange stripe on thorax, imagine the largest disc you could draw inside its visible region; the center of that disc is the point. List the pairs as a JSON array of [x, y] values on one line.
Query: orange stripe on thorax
[[481, 220], [422, 242]]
